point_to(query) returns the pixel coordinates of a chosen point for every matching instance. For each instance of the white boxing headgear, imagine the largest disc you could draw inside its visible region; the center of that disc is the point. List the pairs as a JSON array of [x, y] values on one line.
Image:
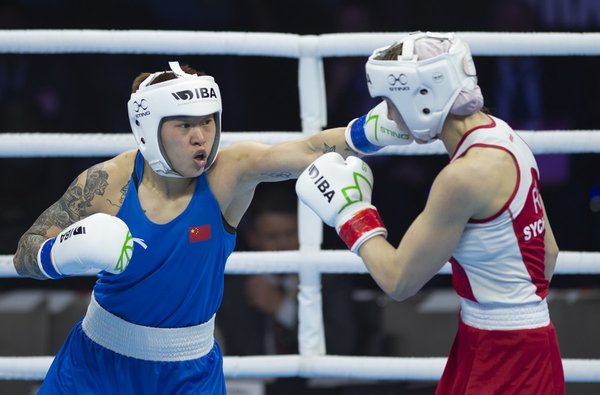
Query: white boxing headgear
[[186, 95], [433, 76]]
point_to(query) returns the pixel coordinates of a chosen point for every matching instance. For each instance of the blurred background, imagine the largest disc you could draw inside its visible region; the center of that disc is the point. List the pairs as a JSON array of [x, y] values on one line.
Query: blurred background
[[88, 93]]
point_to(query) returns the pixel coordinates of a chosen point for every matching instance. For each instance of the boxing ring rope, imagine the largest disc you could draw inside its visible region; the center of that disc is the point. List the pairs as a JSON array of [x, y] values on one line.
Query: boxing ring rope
[[332, 366], [309, 261], [285, 45], [35, 145]]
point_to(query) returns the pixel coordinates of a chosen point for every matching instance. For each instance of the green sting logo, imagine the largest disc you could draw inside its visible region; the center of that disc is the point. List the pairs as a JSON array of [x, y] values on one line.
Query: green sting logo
[[382, 129], [375, 119]]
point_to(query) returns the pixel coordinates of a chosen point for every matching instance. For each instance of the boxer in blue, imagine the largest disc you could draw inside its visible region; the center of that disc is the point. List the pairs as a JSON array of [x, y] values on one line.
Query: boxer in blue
[[157, 224]]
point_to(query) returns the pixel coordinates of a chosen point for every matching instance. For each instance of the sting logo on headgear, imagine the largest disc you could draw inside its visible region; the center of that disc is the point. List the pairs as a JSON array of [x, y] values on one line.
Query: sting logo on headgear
[[141, 105], [400, 79]]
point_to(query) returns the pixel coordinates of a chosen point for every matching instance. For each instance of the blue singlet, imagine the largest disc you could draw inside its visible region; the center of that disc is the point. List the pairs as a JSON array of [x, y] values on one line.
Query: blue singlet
[[177, 281]]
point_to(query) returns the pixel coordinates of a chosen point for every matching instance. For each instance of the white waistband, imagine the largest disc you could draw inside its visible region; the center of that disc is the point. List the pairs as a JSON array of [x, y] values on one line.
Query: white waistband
[[526, 316], [147, 343]]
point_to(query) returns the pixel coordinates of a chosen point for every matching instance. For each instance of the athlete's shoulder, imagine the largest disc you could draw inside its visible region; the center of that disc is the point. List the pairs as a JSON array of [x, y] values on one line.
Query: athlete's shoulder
[[239, 160], [107, 181], [122, 162], [463, 184], [456, 179], [243, 150], [116, 168]]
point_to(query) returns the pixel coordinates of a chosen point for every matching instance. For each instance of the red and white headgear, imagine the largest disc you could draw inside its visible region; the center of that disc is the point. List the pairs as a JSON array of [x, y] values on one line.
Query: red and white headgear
[[434, 76], [186, 95]]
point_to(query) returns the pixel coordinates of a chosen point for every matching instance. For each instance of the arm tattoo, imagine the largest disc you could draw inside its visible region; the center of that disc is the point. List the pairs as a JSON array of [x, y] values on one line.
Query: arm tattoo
[[328, 148], [71, 207], [333, 148], [284, 175], [122, 198]]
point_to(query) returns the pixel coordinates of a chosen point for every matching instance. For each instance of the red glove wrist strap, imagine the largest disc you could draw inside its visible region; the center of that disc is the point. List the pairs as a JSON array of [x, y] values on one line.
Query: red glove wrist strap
[[361, 223]]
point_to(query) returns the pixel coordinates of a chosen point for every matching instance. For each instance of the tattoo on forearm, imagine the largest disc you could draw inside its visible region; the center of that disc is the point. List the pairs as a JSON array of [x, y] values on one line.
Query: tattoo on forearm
[[71, 207], [25, 259], [328, 148], [280, 175]]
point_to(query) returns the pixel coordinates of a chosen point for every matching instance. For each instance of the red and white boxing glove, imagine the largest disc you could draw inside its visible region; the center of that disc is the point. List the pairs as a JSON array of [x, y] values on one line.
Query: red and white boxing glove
[[371, 132], [96, 243], [339, 191]]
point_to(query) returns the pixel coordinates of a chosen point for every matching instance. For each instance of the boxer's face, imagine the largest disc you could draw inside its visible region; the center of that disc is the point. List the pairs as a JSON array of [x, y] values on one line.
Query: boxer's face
[[187, 142], [394, 115]]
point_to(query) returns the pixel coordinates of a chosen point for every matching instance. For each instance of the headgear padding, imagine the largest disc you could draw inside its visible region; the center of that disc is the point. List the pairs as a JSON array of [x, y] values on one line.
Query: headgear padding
[[188, 95], [433, 76]]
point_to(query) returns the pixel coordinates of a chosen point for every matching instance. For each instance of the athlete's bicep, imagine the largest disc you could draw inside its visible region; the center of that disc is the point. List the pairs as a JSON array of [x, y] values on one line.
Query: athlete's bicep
[[434, 235]]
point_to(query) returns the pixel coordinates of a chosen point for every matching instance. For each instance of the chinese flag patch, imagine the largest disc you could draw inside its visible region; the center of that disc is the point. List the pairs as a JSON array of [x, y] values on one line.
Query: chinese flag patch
[[199, 233]]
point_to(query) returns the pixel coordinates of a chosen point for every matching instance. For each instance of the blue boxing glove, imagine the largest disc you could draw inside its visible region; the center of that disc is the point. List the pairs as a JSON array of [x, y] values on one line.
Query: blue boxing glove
[[371, 132], [339, 191]]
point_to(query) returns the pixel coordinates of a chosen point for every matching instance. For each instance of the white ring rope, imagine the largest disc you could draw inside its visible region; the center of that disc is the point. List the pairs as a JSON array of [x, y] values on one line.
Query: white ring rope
[[329, 366], [309, 261], [341, 261], [278, 44], [26, 145], [149, 42]]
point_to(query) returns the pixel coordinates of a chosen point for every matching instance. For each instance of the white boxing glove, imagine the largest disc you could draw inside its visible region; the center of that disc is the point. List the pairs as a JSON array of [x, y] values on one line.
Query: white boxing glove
[[340, 193], [96, 243], [371, 132]]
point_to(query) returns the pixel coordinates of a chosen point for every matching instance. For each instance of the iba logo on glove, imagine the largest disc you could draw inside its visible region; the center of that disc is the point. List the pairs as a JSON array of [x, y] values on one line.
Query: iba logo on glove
[[78, 230], [351, 193], [321, 183]]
